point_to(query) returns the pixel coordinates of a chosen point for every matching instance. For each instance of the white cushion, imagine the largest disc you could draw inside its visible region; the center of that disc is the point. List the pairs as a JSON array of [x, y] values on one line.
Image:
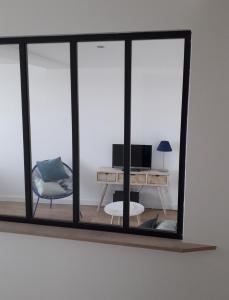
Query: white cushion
[[48, 188], [170, 225]]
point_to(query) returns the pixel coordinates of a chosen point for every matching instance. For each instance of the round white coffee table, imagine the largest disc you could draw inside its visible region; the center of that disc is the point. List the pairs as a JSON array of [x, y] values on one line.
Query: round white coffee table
[[115, 209]]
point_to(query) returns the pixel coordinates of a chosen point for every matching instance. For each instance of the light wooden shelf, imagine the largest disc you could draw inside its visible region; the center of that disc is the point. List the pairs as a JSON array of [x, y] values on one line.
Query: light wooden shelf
[[103, 237]]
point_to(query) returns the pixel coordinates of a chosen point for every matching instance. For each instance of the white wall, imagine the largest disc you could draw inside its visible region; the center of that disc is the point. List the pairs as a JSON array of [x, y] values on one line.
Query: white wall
[[50, 107], [33, 267], [157, 76], [11, 149], [101, 125]]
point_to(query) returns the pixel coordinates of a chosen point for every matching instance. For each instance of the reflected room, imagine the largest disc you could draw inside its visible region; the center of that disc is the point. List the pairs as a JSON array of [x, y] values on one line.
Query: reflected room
[[156, 105], [101, 123], [50, 121], [156, 99], [157, 79]]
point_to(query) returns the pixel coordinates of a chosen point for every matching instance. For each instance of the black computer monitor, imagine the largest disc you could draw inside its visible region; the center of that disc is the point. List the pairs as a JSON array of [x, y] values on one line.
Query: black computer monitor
[[141, 156]]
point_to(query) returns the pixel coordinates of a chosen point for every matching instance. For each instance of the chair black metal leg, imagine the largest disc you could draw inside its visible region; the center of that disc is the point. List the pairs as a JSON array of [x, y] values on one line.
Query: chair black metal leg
[[36, 206], [50, 203]]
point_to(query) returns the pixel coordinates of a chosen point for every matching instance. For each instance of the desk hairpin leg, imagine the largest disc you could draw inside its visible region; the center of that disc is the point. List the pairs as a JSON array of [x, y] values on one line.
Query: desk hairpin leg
[[162, 198], [102, 197]]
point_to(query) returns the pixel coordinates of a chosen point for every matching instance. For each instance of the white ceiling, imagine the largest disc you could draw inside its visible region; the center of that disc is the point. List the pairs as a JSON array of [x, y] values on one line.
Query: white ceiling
[[145, 54]]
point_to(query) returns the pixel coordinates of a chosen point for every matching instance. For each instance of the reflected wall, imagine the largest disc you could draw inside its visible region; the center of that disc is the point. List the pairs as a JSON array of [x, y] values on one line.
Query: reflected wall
[[12, 192]]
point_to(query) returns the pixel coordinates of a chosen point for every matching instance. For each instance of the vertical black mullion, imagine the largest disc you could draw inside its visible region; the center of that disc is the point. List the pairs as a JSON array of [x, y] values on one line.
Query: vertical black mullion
[[75, 129], [26, 128], [127, 134], [184, 113]]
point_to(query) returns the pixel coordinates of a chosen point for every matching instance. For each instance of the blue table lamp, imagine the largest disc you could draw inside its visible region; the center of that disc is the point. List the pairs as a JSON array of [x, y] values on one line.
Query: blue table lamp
[[164, 146]]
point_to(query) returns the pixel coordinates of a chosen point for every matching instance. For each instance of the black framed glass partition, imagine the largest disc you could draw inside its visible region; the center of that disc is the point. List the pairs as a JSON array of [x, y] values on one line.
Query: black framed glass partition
[[103, 130]]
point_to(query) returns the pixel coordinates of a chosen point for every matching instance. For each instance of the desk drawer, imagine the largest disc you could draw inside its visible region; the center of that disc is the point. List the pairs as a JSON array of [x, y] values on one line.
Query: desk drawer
[[134, 178], [106, 177], [157, 179]]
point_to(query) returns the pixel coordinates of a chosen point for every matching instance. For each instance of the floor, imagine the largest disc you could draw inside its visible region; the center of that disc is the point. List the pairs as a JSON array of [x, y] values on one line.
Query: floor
[[89, 213]]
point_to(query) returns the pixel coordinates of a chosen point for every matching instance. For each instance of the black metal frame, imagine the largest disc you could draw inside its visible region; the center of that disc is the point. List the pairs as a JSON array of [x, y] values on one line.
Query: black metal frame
[[72, 40]]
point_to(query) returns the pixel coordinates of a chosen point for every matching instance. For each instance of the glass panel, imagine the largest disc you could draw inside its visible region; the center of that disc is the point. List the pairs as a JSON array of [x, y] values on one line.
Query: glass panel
[[157, 74], [51, 143], [12, 192], [101, 113]]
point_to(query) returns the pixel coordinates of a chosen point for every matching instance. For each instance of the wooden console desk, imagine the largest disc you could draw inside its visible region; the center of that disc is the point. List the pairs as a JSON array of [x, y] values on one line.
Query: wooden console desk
[[150, 178]]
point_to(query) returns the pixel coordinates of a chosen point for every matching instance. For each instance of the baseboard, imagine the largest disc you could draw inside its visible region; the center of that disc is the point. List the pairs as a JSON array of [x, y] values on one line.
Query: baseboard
[[15, 198], [12, 198]]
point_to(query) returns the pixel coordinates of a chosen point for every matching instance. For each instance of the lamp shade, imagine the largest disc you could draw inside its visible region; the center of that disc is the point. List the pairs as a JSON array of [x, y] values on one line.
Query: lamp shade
[[164, 146]]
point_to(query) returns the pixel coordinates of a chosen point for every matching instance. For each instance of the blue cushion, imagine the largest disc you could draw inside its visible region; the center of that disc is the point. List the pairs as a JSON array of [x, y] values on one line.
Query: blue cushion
[[52, 170]]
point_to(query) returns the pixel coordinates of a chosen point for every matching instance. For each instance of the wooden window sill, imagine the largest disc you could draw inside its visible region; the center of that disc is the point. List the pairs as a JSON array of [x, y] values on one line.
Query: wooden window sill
[[103, 237]]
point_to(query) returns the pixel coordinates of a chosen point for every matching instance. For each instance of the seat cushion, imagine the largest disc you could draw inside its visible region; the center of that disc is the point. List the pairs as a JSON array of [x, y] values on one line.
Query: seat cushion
[[168, 225], [48, 189], [52, 170]]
